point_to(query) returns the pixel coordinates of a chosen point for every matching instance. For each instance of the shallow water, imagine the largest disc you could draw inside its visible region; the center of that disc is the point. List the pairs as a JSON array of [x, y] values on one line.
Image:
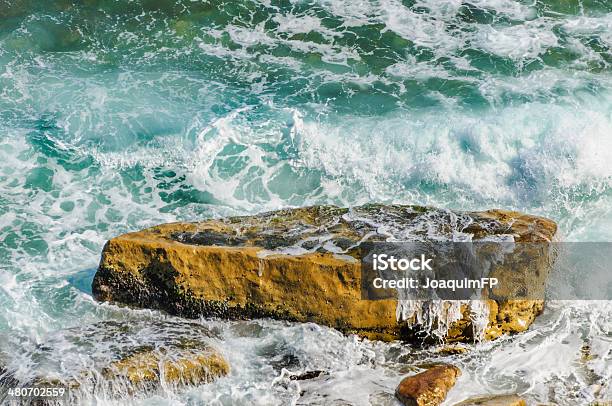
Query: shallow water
[[118, 114]]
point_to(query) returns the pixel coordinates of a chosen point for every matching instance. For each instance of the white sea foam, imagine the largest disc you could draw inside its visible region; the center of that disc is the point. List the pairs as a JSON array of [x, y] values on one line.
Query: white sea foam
[[526, 41], [151, 128]]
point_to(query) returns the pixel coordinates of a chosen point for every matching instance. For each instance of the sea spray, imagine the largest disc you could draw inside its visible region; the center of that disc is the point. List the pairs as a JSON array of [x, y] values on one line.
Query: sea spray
[[436, 317], [110, 123]]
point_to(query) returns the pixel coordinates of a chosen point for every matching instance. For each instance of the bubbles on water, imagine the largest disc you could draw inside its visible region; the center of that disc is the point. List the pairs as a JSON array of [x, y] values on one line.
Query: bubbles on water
[[174, 110]]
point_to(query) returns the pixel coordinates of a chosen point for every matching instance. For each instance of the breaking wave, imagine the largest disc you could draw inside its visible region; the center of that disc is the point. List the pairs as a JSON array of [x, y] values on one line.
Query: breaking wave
[[116, 115]]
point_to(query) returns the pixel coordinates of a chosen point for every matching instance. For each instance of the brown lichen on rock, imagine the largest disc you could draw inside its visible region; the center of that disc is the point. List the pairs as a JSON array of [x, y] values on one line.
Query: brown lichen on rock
[[286, 265], [427, 388]]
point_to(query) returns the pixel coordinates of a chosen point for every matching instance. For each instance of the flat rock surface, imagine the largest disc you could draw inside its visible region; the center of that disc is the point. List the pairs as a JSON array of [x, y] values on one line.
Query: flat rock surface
[[301, 265]]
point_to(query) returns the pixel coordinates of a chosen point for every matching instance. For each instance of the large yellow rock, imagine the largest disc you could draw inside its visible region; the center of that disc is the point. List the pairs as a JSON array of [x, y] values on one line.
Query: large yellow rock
[[299, 265]]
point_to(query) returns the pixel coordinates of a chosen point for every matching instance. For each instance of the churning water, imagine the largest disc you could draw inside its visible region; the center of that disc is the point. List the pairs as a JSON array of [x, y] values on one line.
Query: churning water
[[120, 114]]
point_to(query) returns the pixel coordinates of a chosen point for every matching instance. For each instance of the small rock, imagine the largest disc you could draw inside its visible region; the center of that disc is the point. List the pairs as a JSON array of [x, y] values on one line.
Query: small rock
[[306, 375], [428, 388], [503, 400], [452, 349]]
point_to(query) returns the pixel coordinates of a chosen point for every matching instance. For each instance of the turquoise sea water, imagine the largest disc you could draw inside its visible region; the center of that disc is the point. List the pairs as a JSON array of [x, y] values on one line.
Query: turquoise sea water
[[116, 115]]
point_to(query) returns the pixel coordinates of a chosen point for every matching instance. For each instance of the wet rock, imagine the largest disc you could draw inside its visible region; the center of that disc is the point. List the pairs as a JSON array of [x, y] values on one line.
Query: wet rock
[[452, 349], [306, 375], [185, 366], [427, 388], [7, 380], [304, 265], [109, 359], [503, 400]]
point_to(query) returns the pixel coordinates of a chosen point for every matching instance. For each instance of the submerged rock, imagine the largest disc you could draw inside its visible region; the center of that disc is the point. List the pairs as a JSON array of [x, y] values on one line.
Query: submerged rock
[[191, 366], [495, 400], [306, 375], [116, 359], [427, 388], [452, 349], [303, 265]]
